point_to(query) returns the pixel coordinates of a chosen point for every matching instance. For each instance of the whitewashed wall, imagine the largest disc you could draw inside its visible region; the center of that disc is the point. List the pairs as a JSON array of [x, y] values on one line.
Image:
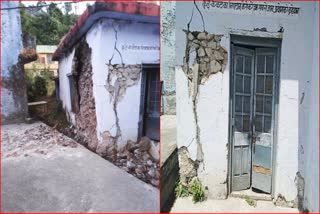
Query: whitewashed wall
[[65, 68], [101, 38], [296, 68], [310, 164]]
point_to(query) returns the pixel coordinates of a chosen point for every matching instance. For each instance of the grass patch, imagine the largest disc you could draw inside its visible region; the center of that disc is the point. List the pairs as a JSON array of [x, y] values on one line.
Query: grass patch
[[181, 190], [193, 188], [250, 201], [197, 191]]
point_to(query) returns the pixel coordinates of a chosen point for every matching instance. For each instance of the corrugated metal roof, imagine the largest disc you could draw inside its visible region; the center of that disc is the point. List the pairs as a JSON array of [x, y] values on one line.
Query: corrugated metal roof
[[46, 48]]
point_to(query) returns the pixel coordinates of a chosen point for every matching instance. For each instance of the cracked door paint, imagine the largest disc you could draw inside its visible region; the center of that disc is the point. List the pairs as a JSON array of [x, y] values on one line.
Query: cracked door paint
[[253, 113], [242, 107], [262, 137]]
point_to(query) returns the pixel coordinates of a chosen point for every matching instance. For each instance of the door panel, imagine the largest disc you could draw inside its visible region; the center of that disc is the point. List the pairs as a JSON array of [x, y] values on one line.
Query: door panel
[[253, 115], [264, 115], [152, 114], [242, 99]]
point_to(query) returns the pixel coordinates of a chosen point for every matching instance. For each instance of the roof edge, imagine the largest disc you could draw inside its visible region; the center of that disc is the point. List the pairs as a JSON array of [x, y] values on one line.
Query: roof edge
[[136, 11]]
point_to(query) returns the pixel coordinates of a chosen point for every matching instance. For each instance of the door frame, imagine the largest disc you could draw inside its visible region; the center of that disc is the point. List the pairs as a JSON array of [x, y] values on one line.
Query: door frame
[[143, 100], [261, 42]]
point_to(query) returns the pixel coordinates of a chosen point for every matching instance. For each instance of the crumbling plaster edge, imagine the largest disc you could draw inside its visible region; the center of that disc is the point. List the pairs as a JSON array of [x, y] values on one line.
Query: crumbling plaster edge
[[253, 33]]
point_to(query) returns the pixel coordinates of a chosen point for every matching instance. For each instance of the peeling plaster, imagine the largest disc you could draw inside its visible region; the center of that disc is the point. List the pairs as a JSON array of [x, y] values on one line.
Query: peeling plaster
[[187, 167], [204, 56]]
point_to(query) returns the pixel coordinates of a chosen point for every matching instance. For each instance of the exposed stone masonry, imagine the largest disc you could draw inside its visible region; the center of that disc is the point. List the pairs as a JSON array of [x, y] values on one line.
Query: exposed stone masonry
[[120, 77], [86, 121], [204, 50]]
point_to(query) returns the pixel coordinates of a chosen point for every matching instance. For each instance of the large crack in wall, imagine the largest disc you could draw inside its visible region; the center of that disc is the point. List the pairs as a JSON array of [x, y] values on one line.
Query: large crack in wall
[[204, 56], [120, 77]]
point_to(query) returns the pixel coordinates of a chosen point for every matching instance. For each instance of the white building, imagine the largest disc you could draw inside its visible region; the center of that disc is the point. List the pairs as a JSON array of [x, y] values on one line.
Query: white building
[[109, 73], [247, 98]]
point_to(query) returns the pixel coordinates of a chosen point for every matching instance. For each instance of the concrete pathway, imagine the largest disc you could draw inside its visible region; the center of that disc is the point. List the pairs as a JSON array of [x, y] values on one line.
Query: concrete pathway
[[48, 175], [168, 136], [228, 205]]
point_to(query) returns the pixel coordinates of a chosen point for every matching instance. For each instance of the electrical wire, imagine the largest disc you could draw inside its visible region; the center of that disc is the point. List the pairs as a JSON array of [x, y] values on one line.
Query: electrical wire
[[36, 6]]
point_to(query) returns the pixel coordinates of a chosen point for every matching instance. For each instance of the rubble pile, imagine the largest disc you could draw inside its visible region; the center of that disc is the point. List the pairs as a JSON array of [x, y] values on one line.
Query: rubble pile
[[38, 139], [140, 159]]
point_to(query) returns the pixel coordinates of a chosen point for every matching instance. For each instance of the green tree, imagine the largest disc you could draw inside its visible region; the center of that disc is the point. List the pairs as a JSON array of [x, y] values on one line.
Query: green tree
[[40, 84], [47, 26]]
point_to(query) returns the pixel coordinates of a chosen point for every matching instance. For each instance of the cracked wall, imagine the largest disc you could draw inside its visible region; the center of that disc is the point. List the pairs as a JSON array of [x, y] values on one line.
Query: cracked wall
[[213, 97], [120, 78], [117, 70], [204, 61]]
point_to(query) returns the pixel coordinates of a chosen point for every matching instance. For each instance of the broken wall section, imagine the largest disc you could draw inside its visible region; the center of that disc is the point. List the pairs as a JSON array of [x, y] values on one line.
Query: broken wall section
[[85, 115], [120, 78], [199, 89]]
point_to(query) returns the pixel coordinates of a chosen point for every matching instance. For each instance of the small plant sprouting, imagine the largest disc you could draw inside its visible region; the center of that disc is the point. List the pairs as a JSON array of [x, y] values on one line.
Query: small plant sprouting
[[250, 201], [181, 190], [197, 191]]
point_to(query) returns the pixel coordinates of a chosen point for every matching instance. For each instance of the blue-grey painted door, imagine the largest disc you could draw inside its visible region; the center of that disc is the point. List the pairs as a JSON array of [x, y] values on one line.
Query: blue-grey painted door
[[252, 118], [243, 71], [262, 138]]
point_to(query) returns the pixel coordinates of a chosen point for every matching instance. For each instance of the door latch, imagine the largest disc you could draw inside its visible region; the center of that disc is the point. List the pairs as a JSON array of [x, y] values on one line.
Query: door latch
[[253, 138]]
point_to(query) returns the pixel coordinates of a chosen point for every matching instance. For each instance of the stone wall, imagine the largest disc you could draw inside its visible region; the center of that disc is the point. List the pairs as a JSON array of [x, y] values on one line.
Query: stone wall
[[204, 56], [85, 118]]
